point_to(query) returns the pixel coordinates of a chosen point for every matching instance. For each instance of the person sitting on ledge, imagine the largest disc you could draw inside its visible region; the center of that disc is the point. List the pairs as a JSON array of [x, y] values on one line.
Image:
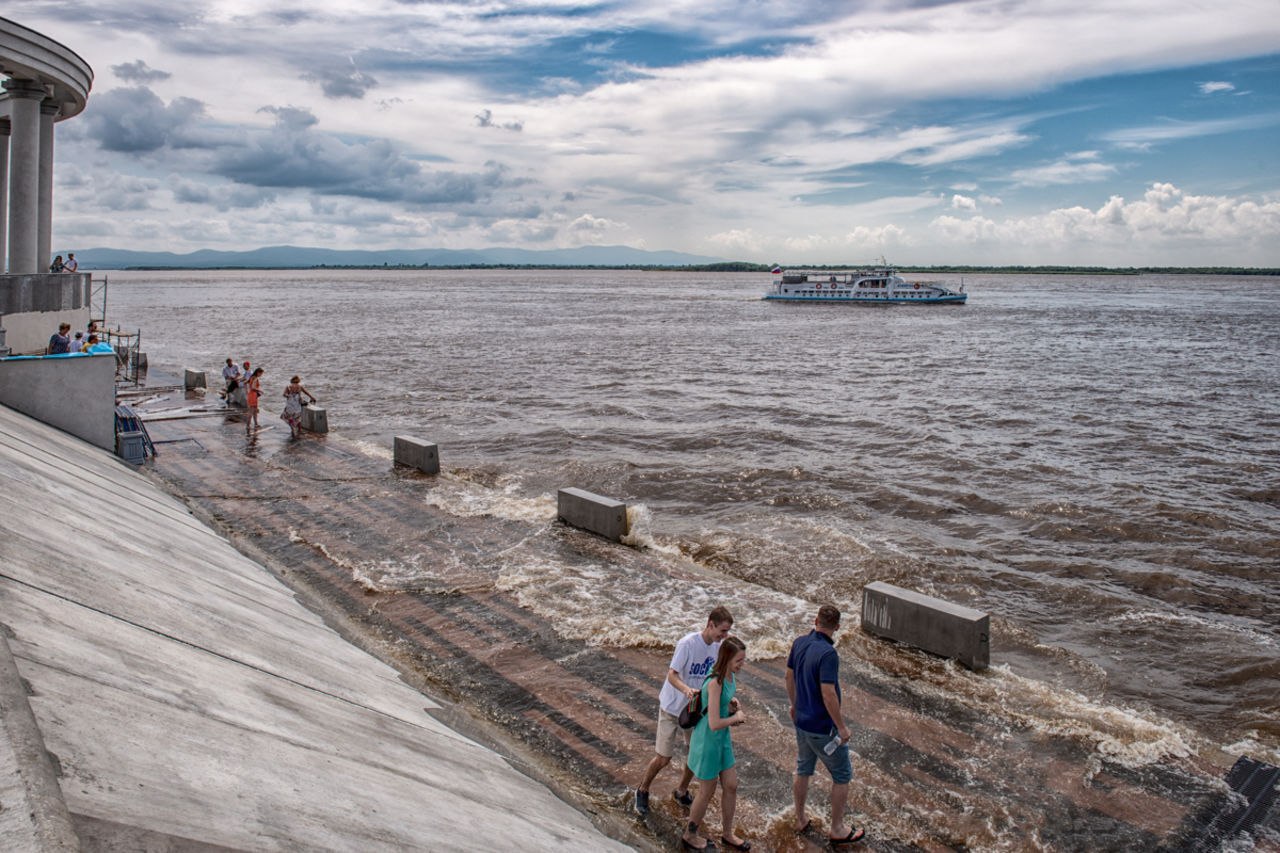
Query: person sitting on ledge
[[72, 264], [57, 265], [231, 375]]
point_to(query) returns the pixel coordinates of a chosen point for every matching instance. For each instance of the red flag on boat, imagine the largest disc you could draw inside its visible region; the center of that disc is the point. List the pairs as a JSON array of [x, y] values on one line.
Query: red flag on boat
[[776, 270]]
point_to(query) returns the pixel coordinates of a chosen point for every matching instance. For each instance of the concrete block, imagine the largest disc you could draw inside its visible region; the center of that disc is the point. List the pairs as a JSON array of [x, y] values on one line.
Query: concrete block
[[315, 419], [194, 379], [417, 453], [131, 447], [604, 516], [928, 623]]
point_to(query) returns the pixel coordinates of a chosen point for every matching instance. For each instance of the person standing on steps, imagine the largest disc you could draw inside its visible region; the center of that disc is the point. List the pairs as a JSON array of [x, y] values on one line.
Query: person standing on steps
[[711, 755], [253, 391], [292, 414], [691, 663], [813, 686]]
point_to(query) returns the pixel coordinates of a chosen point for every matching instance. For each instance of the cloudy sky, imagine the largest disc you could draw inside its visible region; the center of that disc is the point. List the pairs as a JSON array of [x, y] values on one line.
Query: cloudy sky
[[1124, 132]]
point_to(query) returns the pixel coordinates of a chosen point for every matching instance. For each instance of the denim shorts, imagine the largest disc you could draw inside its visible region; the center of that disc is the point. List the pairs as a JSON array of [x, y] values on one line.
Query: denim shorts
[[809, 751]]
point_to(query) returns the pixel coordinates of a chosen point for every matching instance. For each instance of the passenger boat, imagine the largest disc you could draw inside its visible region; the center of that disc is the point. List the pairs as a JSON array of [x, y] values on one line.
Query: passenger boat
[[879, 285]]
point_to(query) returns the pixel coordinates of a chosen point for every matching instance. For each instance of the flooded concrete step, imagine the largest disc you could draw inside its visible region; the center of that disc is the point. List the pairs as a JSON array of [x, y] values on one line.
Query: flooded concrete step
[[933, 773]]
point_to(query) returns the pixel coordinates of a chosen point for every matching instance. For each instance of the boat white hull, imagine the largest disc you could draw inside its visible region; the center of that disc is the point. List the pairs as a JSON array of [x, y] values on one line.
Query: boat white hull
[[876, 299]]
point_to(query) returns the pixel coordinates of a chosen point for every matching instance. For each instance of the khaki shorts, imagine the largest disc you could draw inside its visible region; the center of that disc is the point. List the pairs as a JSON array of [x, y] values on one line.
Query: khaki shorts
[[668, 728]]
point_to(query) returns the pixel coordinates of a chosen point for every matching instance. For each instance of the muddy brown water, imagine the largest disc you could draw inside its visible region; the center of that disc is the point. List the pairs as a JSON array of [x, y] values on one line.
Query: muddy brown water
[[1092, 460]]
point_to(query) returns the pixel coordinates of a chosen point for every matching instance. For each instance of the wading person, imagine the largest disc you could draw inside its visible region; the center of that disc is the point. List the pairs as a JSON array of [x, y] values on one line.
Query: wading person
[[292, 414], [813, 686], [711, 748], [694, 656], [252, 392]]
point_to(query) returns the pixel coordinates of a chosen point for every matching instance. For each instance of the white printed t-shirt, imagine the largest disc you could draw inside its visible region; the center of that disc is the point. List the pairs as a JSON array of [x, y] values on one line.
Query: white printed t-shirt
[[692, 661]]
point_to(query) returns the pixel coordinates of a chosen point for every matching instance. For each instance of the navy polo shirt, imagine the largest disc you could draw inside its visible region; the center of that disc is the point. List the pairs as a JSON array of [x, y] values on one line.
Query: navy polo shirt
[[815, 662]]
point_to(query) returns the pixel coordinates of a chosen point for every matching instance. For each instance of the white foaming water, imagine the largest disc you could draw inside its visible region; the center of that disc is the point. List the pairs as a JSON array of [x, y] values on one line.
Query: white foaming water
[[1125, 736], [459, 496], [1250, 746], [640, 532], [1195, 621], [398, 575], [646, 606], [374, 451]]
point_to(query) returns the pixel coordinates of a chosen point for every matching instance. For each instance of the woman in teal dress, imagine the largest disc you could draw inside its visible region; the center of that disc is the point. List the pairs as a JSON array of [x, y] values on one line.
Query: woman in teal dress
[[711, 748]]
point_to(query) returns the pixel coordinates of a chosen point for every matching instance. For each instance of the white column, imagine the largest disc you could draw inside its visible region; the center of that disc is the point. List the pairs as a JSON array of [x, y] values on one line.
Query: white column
[[4, 190], [44, 236], [24, 175]]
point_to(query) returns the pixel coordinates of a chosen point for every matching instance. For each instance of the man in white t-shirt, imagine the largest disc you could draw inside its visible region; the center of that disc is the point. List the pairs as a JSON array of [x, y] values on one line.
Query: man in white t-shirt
[[690, 665]]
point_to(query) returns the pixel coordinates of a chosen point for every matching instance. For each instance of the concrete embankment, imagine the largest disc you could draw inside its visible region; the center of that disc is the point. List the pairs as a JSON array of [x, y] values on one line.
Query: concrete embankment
[[164, 691]]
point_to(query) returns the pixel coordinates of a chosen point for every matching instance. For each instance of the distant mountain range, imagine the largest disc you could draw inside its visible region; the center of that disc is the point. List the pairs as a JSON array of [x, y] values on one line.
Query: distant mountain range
[[293, 257]]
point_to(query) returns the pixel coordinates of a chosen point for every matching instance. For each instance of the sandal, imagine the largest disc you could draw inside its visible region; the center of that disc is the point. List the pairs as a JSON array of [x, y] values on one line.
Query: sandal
[[692, 829], [745, 845], [855, 835]]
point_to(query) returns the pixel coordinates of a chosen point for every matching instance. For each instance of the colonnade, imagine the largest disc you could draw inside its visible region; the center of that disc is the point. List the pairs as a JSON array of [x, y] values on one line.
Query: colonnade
[[47, 82]]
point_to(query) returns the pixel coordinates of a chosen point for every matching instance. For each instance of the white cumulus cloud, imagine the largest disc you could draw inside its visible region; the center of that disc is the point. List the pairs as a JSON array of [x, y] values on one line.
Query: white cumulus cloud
[[1175, 227]]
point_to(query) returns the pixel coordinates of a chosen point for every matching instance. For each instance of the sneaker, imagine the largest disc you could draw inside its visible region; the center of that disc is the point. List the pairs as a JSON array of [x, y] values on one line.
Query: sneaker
[[642, 803], [685, 799]]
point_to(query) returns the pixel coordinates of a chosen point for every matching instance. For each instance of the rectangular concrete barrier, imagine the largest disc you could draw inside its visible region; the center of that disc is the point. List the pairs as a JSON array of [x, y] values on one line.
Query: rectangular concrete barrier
[[417, 453], [315, 419], [928, 623], [601, 515], [131, 447], [194, 379]]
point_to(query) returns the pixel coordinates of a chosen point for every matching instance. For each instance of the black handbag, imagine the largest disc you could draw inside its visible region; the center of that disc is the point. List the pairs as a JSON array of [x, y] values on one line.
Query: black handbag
[[692, 712]]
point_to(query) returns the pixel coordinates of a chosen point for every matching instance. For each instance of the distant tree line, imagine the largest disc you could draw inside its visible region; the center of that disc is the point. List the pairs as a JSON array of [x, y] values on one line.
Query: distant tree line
[[743, 266]]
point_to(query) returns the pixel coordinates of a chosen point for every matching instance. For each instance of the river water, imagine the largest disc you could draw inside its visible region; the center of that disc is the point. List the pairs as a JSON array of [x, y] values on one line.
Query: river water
[[1095, 461]]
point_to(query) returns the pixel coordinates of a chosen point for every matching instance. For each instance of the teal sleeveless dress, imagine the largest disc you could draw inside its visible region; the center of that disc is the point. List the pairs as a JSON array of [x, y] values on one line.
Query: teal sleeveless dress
[[710, 752]]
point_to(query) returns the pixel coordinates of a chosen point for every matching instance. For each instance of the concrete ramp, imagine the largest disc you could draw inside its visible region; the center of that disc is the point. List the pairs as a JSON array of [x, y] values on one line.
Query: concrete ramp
[[184, 695]]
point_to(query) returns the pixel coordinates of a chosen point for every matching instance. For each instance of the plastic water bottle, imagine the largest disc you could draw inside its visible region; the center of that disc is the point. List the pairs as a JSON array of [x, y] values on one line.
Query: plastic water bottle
[[832, 745]]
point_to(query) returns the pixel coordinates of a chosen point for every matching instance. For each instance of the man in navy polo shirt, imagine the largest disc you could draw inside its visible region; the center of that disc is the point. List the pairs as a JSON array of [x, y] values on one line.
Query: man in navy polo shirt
[[813, 686]]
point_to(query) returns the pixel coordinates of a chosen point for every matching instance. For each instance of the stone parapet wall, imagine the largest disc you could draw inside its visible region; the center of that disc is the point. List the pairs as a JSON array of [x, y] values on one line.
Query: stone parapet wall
[[76, 394], [32, 306], [21, 294]]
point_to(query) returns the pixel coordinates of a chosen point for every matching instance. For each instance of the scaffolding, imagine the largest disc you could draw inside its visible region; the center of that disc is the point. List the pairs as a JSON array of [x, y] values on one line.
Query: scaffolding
[[98, 301], [128, 349]]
